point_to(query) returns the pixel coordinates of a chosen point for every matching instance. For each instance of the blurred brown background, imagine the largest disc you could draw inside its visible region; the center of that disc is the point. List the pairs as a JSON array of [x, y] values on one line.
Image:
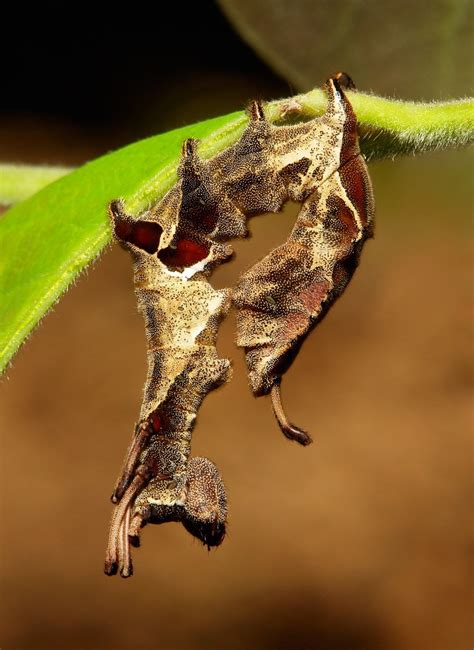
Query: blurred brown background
[[360, 541]]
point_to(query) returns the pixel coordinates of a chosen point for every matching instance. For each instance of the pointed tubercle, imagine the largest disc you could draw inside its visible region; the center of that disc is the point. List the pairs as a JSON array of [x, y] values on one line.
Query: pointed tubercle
[[255, 111], [344, 81], [189, 148]]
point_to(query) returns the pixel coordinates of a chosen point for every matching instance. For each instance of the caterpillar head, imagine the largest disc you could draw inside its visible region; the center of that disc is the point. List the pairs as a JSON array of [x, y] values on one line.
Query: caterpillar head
[[205, 509], [197, 499]]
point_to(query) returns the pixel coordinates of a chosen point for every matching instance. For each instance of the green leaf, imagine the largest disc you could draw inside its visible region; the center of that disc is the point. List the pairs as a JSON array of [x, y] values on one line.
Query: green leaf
[[47, 240]]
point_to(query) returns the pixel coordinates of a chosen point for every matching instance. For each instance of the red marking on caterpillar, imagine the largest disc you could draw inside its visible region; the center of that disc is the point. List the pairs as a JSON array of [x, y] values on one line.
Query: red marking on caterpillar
[[185, 253], [155, 422], [142, 234]]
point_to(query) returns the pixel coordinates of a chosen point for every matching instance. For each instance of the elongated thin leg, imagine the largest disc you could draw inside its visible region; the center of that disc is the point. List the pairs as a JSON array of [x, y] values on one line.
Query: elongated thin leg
[[125, 560], [289, 430], [115, 544], [137, 445]]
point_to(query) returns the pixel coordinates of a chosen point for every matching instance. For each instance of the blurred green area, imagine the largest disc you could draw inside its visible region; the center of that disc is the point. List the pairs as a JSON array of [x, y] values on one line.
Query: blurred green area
[[395, 48], [360, 542]]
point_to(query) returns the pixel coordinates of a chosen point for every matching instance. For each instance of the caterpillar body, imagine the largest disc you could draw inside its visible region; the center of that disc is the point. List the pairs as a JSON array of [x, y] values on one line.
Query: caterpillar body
[[177, 243]]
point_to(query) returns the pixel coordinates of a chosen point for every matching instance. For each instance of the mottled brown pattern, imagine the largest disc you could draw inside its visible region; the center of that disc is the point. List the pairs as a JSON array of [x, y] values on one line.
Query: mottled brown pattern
[[177, 243]]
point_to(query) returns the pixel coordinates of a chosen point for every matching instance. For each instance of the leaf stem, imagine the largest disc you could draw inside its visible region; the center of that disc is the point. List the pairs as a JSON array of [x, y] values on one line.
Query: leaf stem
[[388, 128], [18, 182]]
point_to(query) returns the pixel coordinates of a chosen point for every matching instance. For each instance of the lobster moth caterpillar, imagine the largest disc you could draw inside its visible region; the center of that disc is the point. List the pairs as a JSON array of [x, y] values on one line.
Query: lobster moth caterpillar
[[177, 243]]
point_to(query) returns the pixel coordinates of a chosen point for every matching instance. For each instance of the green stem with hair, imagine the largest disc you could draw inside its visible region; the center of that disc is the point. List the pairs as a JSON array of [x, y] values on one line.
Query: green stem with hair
[[388, 128]]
